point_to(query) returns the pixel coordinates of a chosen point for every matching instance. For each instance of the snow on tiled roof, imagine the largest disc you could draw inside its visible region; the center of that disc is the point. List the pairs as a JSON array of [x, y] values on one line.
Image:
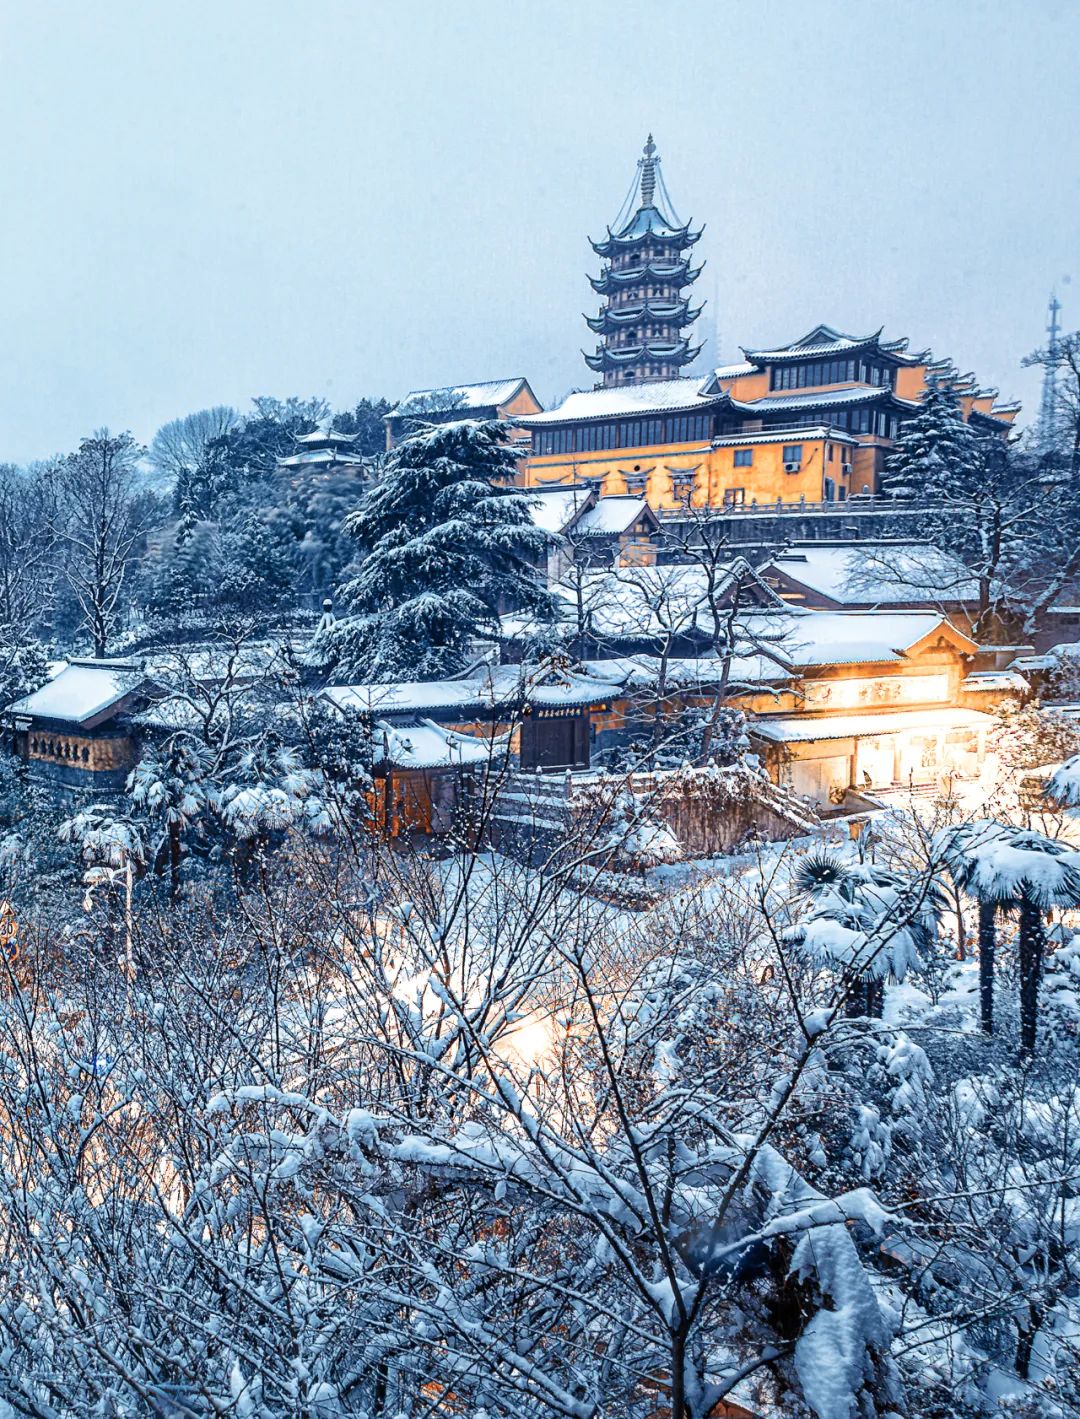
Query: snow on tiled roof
[[802, 729], [638, 602], [316, 456], [404, 697], [553, 509], [425, 745], [492, 686], [803, 434], [659, 394], [486, 395], [876, 574], [802, 637], [733, 371], [642, 671], [610, 516], [83, 689], [650, 219], [995, 680], [854, 394]]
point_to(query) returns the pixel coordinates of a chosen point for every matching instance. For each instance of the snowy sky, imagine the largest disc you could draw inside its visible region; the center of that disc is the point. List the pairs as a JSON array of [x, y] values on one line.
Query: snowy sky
[[215, 199]]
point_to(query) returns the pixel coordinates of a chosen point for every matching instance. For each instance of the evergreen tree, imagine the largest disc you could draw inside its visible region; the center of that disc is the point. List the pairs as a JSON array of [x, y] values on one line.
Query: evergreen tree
[[169, 787], [937, 456], [256, 563], [365, 423], [448, 544]]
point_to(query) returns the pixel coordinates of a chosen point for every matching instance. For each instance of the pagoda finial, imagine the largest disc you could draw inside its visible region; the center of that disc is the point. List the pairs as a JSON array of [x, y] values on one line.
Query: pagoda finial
[[648, 172]]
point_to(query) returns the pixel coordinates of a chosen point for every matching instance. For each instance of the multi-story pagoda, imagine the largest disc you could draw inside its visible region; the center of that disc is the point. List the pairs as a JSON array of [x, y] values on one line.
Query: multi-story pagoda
[[645, 322]]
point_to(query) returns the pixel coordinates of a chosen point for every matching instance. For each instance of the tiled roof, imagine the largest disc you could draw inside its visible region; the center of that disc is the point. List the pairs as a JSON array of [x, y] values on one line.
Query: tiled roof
[[660, 395], [854, 394], [83, 690], [449, 397], [878, 574], [804, 729], [610, 516]]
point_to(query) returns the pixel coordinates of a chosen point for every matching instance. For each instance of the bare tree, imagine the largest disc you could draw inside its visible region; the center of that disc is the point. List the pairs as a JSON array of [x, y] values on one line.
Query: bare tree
[[100, 522], [180, 446], [27, 542]]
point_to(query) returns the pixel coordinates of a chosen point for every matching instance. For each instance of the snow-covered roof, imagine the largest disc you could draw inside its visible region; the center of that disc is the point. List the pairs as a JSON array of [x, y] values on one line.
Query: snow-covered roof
[[642, 671], [488, 688], [82, 691], [734, 371], [639, 602], [876, 574], [464, 397], [610, 516], [853, 394], [326, 436], [806, 729], [425, 745], [317, 457], [408, 696], [803, 637], [208, 664], [554, 509], [825, 340], [995, 680], [651, 220], [1026, 663], [660, 394]]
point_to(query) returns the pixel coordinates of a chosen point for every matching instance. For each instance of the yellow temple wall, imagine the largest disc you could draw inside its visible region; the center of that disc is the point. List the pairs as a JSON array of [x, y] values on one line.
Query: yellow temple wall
[[763, 482]]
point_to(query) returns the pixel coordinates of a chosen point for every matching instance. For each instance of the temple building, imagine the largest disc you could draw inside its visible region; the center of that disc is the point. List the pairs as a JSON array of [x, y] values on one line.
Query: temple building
[[324, 449], [807, 422], [644, 322]]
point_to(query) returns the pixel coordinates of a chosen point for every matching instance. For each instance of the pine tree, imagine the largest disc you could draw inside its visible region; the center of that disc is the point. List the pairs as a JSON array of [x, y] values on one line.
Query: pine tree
[[448, 544], [937, 456]]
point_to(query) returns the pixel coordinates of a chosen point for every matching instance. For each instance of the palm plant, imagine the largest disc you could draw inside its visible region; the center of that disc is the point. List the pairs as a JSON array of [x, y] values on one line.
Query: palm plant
[[959, 850], [1063, 786], [868, 921], [1029, 872]]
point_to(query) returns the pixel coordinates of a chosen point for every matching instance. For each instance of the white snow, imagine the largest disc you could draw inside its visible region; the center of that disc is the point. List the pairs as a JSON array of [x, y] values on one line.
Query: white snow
[[85, 688], [659, 394], [491, 686], [610, 516], [460, 397], [848, 637], [876, 574], [804, 729], [426, 745], [554, 509]]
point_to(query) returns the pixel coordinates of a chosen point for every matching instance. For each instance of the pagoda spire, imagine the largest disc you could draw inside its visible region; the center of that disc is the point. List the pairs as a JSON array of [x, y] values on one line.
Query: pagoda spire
[[648, 173], [644, 322]]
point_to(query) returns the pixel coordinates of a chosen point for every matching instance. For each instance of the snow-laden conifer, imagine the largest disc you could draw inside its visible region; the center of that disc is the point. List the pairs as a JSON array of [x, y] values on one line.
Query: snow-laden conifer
[[936, 456], [447, 543]]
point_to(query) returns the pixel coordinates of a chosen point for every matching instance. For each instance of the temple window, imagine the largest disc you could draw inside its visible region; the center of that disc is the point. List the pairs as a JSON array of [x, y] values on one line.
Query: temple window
[[743, 458]]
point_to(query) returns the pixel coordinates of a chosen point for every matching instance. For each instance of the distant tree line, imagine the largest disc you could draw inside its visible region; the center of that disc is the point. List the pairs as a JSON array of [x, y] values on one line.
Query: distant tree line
[[203, 522]]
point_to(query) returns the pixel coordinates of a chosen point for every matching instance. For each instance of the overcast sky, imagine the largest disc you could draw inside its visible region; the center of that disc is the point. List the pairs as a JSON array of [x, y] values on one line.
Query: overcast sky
[[209, 200]]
